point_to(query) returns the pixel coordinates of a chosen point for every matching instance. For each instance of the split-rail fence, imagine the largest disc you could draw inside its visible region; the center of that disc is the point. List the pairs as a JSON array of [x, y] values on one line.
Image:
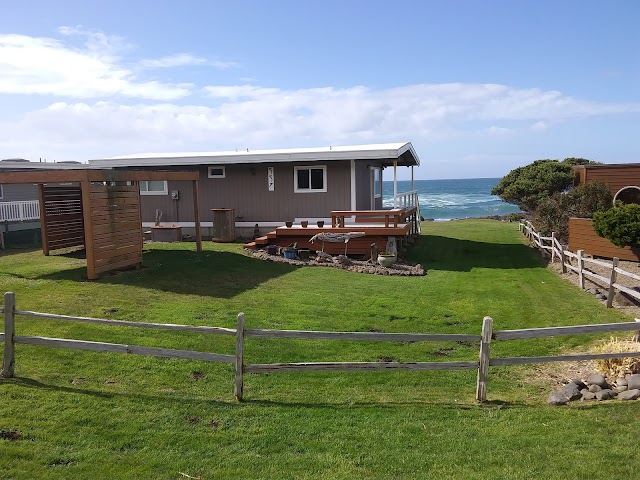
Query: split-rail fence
[[241, 333]]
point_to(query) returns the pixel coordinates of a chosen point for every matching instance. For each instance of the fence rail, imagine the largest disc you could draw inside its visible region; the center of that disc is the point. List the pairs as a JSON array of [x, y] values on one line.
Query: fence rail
[[240, 367], [19, 211], [556, 250]]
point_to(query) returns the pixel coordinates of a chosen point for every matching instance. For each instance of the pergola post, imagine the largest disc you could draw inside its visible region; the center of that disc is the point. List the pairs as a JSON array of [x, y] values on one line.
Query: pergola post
[[43, 224], [88, 228], [196, 209], [395, 183]]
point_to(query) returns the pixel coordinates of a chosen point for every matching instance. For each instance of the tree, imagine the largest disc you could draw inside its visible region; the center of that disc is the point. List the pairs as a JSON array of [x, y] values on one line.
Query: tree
[[620, 225], [552, 213], [527, 186]]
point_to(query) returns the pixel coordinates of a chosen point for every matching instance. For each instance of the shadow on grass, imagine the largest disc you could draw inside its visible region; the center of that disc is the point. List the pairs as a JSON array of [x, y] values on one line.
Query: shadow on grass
[[451, 254], [208, 273]]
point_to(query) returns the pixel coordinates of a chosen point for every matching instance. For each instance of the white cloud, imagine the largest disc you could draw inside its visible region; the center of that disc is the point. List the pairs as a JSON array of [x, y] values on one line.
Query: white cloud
[[46, 66], [257, 117], [185, 59]]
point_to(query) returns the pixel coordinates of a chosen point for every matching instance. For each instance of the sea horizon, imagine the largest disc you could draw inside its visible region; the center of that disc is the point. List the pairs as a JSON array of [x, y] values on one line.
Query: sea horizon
[[452, 199]]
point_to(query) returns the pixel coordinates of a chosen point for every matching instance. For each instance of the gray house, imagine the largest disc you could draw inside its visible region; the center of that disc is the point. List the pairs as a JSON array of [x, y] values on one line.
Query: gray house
[[270, 187]]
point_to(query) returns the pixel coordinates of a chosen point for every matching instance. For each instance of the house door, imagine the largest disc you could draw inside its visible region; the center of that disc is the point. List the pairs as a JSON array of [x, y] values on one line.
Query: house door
[[376, 188]]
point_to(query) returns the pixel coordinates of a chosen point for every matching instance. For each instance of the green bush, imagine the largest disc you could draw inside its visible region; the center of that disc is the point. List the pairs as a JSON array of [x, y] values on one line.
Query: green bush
[[552, 213], [527, 186], [620, 225]]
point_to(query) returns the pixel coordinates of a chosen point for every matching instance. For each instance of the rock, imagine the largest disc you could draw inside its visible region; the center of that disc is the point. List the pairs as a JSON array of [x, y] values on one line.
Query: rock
[[625, 300], [571, 391], [622, 382], [343, 260], [594, 388], [557, 398], [600, 297], [633, 381], [588, 396], [621, 388], [584, 390], [605, 394], [629, 395], [579, 383], [597, 379]]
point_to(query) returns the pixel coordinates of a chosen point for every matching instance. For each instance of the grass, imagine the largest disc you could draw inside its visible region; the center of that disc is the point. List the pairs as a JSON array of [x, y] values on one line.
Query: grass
[[85, 414]]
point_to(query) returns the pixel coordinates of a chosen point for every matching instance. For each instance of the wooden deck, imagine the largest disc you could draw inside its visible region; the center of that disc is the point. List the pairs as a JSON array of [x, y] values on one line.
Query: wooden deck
[[374, 233]]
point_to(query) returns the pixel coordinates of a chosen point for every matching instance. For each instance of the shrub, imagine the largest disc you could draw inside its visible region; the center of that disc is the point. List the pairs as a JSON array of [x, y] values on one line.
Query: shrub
[[527, 186], [620, 225], [552, 213]]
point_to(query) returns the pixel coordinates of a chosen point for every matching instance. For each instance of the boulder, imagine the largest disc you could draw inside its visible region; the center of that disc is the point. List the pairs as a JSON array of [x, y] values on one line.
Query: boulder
[[633, 381], [597, 379], [557, 398], [629, 395], [622, 382], [621, 388], [579, 383], [587, 395], [594, 388], [571, 391], [605, 394]]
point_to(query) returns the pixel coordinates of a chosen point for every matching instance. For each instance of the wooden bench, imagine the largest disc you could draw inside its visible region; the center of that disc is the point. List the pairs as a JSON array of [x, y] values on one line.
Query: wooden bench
[[394, 214]]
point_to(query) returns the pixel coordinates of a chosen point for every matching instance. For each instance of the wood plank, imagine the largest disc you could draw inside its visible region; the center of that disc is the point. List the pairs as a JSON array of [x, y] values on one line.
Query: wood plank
[[356, 366], [43, 222], [120, 348], [88, 230], [106, 242], [116, 219], [118, 251], [116, 188], [116, 258], [104, 195], [560, 358], [627, 274], [118, 227], [128, 323], [118, 266], [361, 336], [238, 386], [562, 331], [103, 202], [8, 359], [484, 361]]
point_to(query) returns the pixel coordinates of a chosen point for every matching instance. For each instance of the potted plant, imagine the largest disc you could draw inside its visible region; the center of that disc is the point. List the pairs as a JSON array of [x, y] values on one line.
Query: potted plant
[[320, 223], [289, 224], [304, 223], [289, 253], [386, 259]]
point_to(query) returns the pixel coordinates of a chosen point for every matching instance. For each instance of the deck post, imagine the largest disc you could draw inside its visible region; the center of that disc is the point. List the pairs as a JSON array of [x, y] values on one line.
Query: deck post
[[395, 183], [239, 363], [612, 281], [483, 366], [9, 360], [580, 268]]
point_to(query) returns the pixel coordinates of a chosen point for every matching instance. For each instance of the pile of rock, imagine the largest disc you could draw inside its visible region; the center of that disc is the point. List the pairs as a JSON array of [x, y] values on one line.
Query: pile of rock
[[597, 387]]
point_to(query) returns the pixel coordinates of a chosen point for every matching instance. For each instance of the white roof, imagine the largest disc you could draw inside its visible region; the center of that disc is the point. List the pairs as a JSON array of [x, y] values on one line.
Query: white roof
[[11, 164], [385, 151]]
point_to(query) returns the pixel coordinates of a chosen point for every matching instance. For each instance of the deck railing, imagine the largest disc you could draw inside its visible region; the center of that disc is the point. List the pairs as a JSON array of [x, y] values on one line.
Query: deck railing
[[19, 211], [408, 200]]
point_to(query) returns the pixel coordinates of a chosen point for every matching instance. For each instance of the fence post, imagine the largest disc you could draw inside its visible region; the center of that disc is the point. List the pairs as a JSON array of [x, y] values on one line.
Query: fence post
[[580, 268], [563, 259], [483, 366], [612, 280], [239, 364], [553, 246], [9, 360]]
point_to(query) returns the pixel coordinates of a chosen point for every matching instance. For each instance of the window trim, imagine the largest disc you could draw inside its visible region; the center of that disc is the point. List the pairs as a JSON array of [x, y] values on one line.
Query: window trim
[[1, 192], [154, 192], [210, 175], [296, 168], [373, 181]]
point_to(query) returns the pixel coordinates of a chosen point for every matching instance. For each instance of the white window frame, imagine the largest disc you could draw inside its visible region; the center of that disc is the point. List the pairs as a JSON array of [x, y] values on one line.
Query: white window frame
[[373, 181], [310, 190], [165, 191], [1, 192], [210, 175]]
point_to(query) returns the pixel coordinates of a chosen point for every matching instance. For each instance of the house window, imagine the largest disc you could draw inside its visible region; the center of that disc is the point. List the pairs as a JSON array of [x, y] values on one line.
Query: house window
[[377, 182], [153, 187], [310, 179], [216, 172]]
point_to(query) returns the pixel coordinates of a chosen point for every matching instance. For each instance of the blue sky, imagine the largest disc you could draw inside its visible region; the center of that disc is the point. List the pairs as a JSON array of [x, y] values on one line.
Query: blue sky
[[478, 87]]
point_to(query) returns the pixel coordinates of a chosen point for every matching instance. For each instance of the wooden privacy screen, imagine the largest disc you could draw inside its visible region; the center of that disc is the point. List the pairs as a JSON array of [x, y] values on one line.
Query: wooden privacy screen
[[582, 236], [115, 227], [62, 219]]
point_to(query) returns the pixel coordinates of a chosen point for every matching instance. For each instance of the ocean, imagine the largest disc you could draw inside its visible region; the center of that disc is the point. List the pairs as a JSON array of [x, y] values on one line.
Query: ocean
[[444, 200]]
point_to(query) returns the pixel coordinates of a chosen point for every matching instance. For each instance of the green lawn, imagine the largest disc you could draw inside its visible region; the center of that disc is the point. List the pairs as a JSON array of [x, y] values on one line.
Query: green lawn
[[101, 415]]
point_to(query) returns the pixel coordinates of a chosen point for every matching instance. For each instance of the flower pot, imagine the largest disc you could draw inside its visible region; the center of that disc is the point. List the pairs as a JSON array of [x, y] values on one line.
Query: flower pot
[[289, 253], [289, 224], [320, 223], [272, 249], [304, 224], [303, 254], [386, 260]]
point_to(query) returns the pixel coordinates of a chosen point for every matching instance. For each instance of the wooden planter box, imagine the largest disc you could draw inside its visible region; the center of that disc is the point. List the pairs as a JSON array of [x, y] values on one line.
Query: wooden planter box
[[166, 234]]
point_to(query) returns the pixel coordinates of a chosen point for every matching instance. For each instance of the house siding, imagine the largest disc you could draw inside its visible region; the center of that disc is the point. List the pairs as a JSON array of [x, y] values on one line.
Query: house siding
[[16, 193], [615, 177], [244, 189], [363, 186]]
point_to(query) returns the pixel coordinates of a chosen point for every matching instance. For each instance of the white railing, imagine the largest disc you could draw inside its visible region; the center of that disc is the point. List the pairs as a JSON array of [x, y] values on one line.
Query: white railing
[[409, 200], [19, 211]]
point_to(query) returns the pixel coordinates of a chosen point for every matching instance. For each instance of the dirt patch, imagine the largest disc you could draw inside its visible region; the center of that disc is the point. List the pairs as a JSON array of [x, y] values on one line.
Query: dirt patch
[[359, 266], [193, 420], [11, 435], [196, 376]]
